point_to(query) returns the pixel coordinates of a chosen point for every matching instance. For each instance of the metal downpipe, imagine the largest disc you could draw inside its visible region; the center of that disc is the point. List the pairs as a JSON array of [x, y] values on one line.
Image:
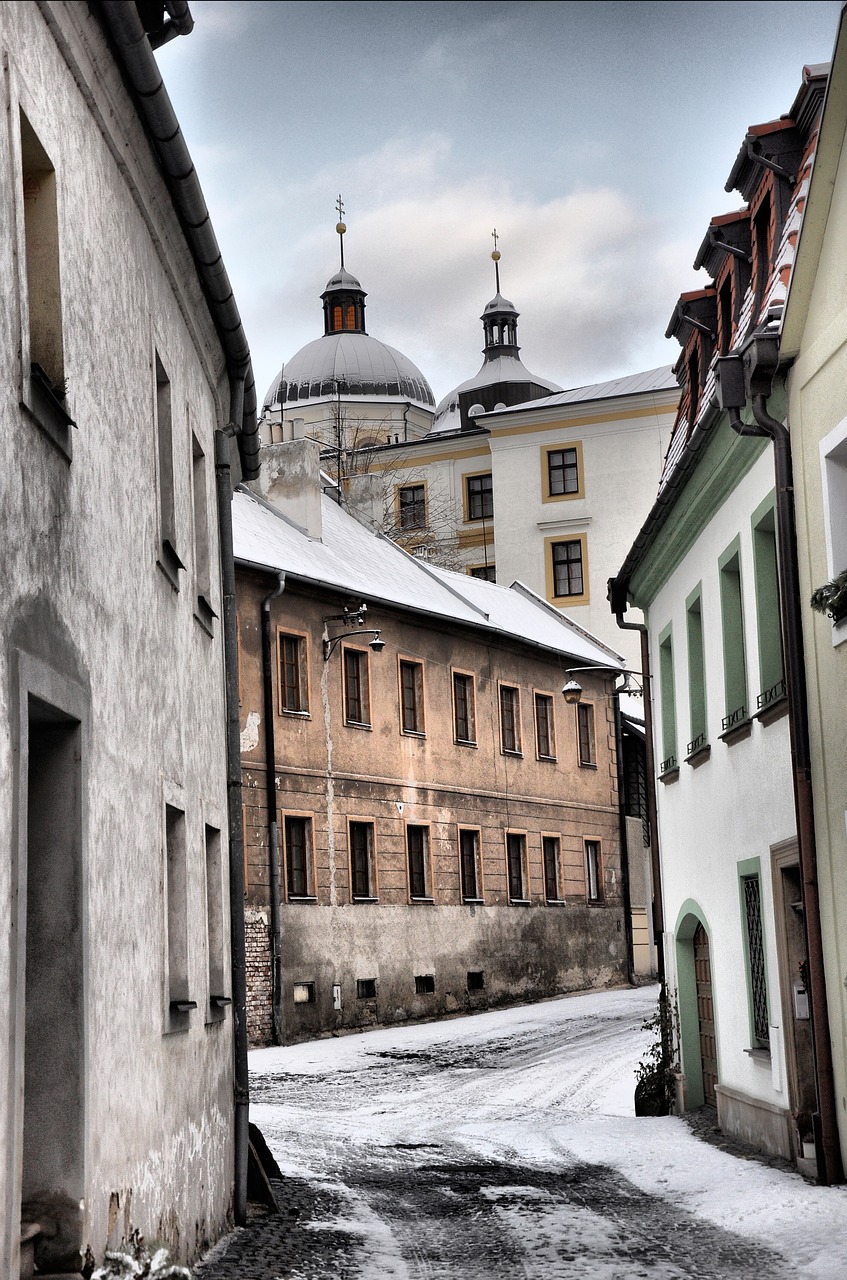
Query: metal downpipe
[[223, 482], [827, 1145], [273, 823]]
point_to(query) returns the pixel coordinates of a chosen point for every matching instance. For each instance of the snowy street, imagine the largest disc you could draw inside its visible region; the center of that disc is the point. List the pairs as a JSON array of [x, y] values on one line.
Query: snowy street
[[505, 1145]]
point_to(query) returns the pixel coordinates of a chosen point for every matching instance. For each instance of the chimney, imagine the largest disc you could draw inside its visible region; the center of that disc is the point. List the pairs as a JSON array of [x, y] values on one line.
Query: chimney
[[364, 499], [290, 479]]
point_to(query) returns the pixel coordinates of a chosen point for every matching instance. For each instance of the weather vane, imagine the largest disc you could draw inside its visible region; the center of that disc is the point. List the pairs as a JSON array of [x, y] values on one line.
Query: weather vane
[[495, 257], [341, 226]]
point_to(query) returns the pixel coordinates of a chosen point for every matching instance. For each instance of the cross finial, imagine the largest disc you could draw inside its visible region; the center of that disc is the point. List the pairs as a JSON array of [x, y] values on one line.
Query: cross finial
[[340, 226], [496, 259]]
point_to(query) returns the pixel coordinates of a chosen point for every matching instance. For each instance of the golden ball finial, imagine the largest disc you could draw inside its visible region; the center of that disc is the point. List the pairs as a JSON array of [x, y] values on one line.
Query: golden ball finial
[[341, 227], [495, 257]]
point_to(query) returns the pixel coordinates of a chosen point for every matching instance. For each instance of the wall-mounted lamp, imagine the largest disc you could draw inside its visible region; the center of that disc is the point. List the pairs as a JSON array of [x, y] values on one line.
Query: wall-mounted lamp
[[572, 689], [353, 615]]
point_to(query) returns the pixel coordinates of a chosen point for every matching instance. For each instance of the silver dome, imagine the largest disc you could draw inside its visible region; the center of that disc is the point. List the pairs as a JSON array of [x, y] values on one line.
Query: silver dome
[[354, 363]]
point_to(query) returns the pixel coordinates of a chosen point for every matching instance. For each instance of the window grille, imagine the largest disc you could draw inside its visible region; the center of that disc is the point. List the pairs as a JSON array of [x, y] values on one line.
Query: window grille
[[756, 951]]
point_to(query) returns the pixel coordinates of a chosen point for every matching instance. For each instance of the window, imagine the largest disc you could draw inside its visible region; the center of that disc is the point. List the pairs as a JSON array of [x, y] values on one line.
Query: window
[[768, 621], [215, 923], [298, 857], [593, 871], [545, 733], [366, 988], [833, 456], [45, 378], [668, 696], [201, 533], [476, 980], [510, 719], [293, 674], [411, 503], [732, 621], [696, 672], [304, 993], [357, 710], [424, 984], [487, 572], [411, 697], [469, 865], [362, 877], [168, 558], [566, 569], [480, 497], [417, 846], [761, 253], [693, 366], [550, 849], [585, 734], [563, 472], [176, 889], [757, 986], [725, 315], [515, 863], [464, 708]]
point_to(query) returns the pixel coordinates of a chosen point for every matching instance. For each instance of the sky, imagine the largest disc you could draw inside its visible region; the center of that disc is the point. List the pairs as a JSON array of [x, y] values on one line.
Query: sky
[[595, 136]]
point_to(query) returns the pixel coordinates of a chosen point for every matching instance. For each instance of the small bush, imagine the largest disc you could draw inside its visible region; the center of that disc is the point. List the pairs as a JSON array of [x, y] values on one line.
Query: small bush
[[133, 1260], [655, 1075]]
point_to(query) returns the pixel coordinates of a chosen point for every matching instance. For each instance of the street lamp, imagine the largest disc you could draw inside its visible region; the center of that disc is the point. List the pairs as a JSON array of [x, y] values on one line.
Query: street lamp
[[353, 615], [572, 689]]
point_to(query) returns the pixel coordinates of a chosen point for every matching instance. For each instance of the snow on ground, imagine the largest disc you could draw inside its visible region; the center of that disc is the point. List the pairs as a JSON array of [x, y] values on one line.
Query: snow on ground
[[545, 1087]]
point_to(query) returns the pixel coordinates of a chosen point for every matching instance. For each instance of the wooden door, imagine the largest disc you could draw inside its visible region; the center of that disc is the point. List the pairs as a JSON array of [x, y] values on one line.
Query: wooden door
[[705, 1014]]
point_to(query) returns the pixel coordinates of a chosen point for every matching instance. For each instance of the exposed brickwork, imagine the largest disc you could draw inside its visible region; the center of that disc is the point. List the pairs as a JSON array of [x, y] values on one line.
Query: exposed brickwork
[[259, 1021]]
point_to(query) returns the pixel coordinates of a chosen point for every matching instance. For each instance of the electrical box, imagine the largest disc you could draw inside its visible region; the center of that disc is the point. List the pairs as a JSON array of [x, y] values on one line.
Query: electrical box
[[801, 1002]]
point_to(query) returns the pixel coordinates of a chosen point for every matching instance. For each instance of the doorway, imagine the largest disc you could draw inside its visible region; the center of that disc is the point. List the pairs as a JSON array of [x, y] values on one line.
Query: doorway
[[705, 1014], [51, 990], [791, 949]]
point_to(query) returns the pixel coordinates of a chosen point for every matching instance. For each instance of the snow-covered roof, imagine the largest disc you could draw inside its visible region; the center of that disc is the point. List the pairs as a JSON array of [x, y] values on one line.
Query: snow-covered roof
[[661, 379], [348, 557]]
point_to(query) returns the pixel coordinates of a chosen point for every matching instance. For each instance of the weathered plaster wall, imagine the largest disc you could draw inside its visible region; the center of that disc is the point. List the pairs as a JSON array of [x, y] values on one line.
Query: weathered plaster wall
[[83, 594]]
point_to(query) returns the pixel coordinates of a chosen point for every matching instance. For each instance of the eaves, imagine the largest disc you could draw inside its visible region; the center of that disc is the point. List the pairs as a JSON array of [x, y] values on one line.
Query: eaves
[[713, 463]]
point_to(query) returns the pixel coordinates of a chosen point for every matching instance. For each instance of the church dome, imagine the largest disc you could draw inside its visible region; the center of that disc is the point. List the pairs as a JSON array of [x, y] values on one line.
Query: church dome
[[354, 364]]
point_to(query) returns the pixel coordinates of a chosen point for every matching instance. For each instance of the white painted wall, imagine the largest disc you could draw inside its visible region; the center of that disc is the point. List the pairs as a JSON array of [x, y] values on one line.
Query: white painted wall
[[735, 805]]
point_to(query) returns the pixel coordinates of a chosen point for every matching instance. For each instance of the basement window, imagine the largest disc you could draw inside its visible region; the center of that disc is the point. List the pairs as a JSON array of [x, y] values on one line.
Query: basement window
[[366, 988], [304, 993], [424, 984], [476, 980]]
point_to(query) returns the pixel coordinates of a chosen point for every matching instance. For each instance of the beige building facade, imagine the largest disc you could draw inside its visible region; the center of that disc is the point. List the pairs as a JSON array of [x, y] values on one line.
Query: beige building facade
[[447, 829]]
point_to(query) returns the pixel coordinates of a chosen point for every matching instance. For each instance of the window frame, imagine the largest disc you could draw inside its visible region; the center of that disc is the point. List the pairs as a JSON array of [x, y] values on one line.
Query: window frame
[[768, 612], [593, 849], [426, 861], [203, 547], [734, 640], [585, 711], [423, 503], [550, 543], [550, 756], [291, 816], [484, 572], [517, 749], [284, 634], [557, 856], [369, 824], [751, 869], [509, 835], [469, 518], [479, 896], [363, 662], [667, 693], [696, 652], [470, 676], [415, 667], [547, 494]]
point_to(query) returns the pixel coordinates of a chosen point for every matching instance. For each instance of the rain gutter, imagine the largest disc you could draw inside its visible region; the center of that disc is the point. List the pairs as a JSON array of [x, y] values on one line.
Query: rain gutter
[[273, 823], [134, 53], [751, 373]]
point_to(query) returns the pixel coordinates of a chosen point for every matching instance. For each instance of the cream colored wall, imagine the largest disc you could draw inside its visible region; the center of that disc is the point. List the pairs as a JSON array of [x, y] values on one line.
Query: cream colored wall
[[817, 406]]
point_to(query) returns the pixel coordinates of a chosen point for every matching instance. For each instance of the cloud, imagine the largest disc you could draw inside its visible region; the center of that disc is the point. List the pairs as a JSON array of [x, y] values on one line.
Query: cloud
[[594, 278]]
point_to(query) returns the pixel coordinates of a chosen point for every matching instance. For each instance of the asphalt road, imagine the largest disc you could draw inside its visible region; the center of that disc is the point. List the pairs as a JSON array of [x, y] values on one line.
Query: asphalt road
[[494, 1146]]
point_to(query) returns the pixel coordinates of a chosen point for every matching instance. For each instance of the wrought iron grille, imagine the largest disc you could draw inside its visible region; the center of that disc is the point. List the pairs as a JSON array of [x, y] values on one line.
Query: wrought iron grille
[[667, 765], [736, 717], [696, 744], [758, 980], [770, 696]]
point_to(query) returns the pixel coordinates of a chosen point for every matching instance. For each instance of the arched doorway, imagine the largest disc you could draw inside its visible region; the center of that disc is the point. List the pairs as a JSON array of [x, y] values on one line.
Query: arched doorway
[[696, 1006]]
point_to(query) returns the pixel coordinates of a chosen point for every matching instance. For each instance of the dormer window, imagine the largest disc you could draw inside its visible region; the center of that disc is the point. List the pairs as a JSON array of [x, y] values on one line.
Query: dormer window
[[725, 315], [693, 384], [761, 252]]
